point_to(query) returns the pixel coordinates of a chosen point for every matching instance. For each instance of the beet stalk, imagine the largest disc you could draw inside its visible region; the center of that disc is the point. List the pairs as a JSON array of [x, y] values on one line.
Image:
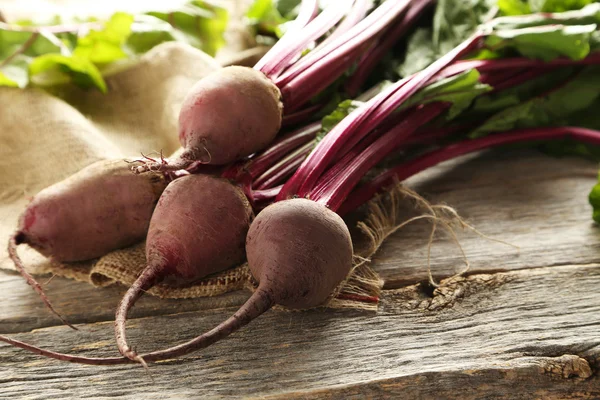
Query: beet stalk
[[405, 170]]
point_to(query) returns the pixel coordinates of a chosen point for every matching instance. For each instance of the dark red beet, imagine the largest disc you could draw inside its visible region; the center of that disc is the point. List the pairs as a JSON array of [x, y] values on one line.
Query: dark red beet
[[198, 228], [231, 113], [298, 251], [97, 210]]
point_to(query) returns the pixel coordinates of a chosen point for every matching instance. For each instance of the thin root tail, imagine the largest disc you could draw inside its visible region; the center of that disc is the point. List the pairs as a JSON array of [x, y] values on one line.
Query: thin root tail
[[148, 278], [13, 242]]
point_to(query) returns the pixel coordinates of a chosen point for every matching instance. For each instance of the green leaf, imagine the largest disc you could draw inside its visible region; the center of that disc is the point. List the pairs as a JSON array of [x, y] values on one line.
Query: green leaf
[[460, 90], [569, 147], [342, 111], [594, 199], [15, 72], [199, 23], [288, 8], [271, 16], [420, 52], [66, 57], [264, 17], [587, 117], [106, 45], [80, 70], [11, 41], [554, 109], [545, 42], [453, 22], [513, 7], [6, 81], [553, 6], [148, 31]]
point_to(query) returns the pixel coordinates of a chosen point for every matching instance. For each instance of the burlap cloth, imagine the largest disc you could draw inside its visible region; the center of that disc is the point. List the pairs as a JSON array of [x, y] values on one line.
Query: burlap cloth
[[44, 138]]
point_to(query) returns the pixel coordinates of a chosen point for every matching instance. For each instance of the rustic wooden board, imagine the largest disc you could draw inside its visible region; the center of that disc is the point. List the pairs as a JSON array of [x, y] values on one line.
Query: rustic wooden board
[[526, 198], [82, 303], [532, 333]]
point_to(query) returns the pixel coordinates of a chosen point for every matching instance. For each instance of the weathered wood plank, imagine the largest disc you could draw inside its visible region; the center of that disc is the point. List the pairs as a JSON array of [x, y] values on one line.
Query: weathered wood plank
[[526, 198], [503, 324], [82, 303], [501, 383]]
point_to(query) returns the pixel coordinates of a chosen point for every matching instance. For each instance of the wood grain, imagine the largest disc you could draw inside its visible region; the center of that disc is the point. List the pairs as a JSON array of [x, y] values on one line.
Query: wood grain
[[500, 383], [523, 197], [534, 328], [528, 332], [82, 303], [526, 198]]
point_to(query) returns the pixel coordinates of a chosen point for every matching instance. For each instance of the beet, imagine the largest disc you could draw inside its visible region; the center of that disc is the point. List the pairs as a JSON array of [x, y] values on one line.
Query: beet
[[95, 211], [198, 228], [297, 250], [231, 113]]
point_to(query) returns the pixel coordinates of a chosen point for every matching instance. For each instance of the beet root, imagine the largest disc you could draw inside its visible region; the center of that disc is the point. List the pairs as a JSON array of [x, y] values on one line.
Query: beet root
[[231, 113], [299, 252], [97, 210], [198, 228]]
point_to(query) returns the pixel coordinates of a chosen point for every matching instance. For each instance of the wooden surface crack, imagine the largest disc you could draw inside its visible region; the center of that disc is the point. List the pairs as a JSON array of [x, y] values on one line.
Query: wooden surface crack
[[568, 366]]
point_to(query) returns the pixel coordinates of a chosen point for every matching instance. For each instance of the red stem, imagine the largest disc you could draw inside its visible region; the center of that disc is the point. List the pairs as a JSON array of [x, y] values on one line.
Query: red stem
[[388, 39], [327, 188], [519, 79], [501, 76], [406, 139], [354, 127], [517, 62], [429, 137], [301, 95], [300, 39], [284, 168], [308, 11], [300, 116], [358, 12], [266, 194], [413, 167], [344, 54], [341, 163], [280, 148], [322, 50], [335, 191]]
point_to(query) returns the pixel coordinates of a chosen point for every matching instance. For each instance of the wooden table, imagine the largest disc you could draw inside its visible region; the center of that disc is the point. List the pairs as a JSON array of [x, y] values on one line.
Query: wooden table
[[521, 324]]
